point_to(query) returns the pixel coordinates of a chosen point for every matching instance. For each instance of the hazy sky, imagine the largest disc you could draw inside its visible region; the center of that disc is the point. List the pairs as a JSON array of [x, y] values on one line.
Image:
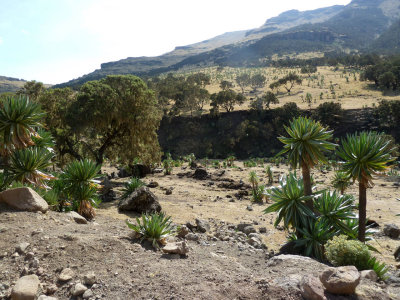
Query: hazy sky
[[54, 41]]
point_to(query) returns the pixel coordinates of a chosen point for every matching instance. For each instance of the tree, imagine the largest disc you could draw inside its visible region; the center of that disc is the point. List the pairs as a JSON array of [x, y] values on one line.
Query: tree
[[388, 80], [309, 69], [257, 81], [266, 100], [226, 85], [32, 89], [288, 82], [305, 146], [117, 116], [364, 155], [227, 99], [243, 80]]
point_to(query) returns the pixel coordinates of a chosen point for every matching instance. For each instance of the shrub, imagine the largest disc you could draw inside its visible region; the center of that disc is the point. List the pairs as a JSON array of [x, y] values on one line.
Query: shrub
[[131, 186], [154, 227], [343, 252]]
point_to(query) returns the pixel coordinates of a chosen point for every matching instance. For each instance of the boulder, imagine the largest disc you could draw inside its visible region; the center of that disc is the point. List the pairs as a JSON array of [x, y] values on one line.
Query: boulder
[[397, 254], [152, 184], [140, 170], [78, 289], [312, 289], [89, 278], [180, 248], [140, 201], [26, 288], [391, 231], [202, 226], [341, 280], [24, 199], [77, 217], [200, 174], [369, 274], [66, 275]]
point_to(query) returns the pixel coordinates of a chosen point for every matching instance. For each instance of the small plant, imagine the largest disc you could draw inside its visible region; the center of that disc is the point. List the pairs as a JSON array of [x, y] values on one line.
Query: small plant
[[154, 227], [270, 175], [168, 164], [230, 161], [216, 164], [340, 251], [131, 186], [341, 181]]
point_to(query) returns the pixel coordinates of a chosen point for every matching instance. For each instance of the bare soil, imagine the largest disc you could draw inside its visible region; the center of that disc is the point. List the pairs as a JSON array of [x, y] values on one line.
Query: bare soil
[[213, 269]]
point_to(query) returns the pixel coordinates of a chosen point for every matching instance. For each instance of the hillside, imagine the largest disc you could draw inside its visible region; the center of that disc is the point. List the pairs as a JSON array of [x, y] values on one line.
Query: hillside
[[337, 28], [9, 84]]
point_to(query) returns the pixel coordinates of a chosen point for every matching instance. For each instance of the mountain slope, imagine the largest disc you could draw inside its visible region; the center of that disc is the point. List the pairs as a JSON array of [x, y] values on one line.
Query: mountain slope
[[338, 28], [9, 84]]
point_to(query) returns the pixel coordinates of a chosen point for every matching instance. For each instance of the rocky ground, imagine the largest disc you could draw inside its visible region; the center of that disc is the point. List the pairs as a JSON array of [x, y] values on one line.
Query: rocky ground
[[231, 248]]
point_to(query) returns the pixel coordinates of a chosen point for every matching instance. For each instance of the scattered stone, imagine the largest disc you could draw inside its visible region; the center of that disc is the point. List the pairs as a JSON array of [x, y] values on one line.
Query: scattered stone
[[242, 226], [15, 255], [372, 292], [158, 170], [341, 280], [249, 208], [192, 237], [262, 230], [191, 226], [24, 199], [89, 278], [51, 289], [312, 289], [78, 289], [241, 194], [219, 173], [183, 231], [391, 230], [168, 191], [34, 264], [397, 254], [76, 217], [26, 288], [249, 229], [200, 174], [180, 248], [44, 297], [140, 201], [202, 226], [87, 294], [369, 274], [152, 184], [29, 255], [66, 275], [21, 248]]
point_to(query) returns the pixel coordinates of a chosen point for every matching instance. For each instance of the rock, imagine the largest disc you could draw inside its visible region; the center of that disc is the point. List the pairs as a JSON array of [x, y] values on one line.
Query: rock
[[66, 274], [152, 184], [168, 191], [124, 172], [391, 231], [182, 231], [109, 196], [256, 243], [176, 248], [341, 280], [397, 254], [78, 289], [140, 170], [87, 294], [242, 226], [371, 292], [202, 226], [262, 230], [200, 174], [51, 289], [76, 217], [249, 208], [26, 288], [158, 170], [312, 289], [140, 201], [24, 199], [369, 274], [89, 278], [249, 229], [44, 297], [21, 248], [192, 237], [34, 264], [191, 226]]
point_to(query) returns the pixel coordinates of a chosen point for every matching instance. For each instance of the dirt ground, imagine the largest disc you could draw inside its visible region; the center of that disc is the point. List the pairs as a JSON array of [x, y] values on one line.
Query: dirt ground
[[213, 269]]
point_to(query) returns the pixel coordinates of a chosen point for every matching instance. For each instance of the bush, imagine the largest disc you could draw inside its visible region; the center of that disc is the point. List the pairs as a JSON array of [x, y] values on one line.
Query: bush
[[131, 186], [343, 252], [154, 227]]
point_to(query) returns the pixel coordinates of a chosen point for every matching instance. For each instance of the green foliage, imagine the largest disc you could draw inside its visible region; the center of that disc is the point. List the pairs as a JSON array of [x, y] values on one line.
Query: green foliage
[[19, 117], [289, 202], [340, 251], [32, 89], [226, 99], [131, 186], [258, 193], [270, 175], [364, 155], [288, 82], [329, 113], [28, 166], [78, 183], [312, 236], [308, 70], [306, 143], [168, 164], [341, 181], [44, 139], [154, 227]]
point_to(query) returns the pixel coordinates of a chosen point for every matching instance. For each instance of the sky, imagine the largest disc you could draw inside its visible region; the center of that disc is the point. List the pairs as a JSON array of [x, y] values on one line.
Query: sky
[[54, 41]]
